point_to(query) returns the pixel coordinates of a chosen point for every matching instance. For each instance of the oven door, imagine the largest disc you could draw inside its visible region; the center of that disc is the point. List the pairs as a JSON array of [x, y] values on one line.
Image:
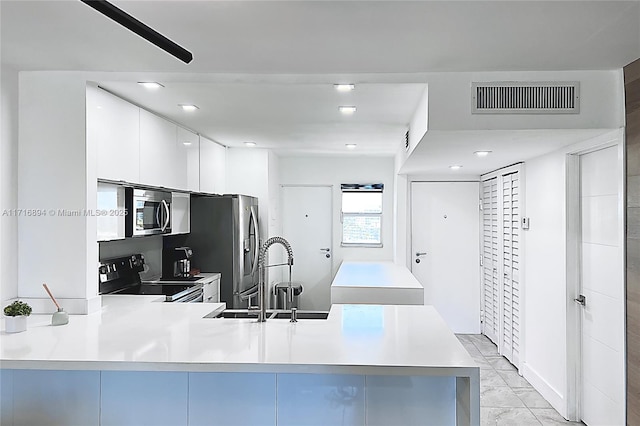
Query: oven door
[[193, 297], [151, 212]]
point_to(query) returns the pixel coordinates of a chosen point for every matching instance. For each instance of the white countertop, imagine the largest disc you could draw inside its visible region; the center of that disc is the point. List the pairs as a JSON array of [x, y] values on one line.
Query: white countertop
[[375, 275], [204, 277], [142, 335]]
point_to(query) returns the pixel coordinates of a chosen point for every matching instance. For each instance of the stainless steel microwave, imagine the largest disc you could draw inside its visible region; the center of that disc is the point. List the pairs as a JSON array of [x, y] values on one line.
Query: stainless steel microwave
[[149, 212]]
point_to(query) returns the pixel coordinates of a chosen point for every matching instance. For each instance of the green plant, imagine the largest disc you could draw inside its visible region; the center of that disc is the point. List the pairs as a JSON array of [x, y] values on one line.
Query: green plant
[[17, 308]]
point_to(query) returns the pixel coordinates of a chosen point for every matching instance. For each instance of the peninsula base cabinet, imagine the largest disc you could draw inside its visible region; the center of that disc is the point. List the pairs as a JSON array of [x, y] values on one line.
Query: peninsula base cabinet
[[33, 397]]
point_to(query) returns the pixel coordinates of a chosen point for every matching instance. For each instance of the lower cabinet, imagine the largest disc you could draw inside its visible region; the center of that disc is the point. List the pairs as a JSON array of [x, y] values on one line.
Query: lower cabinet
[[211, 290], [38, 397]]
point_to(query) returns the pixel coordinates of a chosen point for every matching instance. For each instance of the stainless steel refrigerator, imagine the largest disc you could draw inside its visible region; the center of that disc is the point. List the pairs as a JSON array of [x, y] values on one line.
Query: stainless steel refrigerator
[[225, 238]]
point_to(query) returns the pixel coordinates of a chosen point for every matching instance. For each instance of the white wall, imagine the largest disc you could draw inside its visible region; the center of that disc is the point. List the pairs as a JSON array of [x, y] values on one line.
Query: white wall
[[8, 184], [601, 102], [334, 171], [547, 287], [53, 171]]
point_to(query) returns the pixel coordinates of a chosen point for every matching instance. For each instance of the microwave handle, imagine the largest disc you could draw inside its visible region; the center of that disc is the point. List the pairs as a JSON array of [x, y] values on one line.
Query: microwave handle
[[158, 215], [168, 215]]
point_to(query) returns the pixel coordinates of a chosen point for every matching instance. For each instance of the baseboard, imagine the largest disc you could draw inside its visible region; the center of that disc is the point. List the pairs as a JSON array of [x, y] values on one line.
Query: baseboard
[[555, 398], [44, 305]]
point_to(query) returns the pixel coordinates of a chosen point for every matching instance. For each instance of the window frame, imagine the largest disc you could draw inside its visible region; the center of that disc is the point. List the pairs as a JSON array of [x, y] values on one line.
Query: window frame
[[361, 188]]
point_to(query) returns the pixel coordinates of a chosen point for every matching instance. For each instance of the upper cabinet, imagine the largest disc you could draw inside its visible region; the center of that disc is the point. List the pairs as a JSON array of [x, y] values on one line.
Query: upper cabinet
[[113, 128], [212, 166], [188, 160], [158, 151]]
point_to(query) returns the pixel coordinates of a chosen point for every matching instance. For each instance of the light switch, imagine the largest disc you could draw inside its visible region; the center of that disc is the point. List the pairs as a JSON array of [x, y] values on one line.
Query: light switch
[[525, 223]]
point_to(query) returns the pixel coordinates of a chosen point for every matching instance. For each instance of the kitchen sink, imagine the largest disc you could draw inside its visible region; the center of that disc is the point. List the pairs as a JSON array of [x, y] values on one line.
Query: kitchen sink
[[271, 314]]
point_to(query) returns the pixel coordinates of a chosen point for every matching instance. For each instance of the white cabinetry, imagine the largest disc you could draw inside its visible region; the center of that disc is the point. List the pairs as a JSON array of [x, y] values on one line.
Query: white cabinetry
[[110, 203], [113, 127], [212, 166], [158, 151], [180, 212], [188, 160], [211, 290]]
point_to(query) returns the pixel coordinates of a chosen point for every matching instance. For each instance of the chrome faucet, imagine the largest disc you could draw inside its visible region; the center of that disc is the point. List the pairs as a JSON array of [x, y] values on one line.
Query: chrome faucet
[[262, 268]]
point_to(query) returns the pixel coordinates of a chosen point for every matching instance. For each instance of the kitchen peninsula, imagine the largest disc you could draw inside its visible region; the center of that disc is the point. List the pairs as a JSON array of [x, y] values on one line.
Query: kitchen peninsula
[[142, 362]]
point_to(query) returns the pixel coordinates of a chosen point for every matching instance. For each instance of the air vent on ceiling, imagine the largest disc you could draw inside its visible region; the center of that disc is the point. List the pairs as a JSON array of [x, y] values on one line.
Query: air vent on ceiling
[[539, 97], [406, 141]]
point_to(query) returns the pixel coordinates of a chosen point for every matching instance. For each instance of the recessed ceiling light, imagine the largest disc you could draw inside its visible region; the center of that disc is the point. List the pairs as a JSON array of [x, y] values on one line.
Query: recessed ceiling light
[[482, 153], [455, 167], [150, 84], [186, 143], [188, 107], [344, 87], [347, 109], [351, 145], [250, 144]]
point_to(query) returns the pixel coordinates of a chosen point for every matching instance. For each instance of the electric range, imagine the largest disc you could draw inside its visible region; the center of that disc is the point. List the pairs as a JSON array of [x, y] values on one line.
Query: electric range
[[121, 275]]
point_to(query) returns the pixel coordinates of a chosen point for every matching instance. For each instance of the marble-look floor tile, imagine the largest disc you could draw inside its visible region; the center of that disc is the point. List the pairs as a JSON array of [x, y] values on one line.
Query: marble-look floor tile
[[500, 363], [465, 337], [507, 417], [531, 398], [550, 417], [479, 338], [482, 363], [499, 396], [489, 379], [514, 379], [487, 348]]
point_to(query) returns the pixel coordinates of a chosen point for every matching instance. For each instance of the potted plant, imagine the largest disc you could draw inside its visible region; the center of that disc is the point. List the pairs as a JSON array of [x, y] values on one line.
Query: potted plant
[[16, 316]]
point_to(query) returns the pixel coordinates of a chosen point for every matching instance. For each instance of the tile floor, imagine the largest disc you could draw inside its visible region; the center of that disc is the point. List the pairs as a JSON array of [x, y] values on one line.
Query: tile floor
[[506, 398]]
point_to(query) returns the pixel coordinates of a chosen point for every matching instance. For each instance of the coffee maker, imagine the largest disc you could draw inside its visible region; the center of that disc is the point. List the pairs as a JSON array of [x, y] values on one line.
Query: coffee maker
[[182, 261]]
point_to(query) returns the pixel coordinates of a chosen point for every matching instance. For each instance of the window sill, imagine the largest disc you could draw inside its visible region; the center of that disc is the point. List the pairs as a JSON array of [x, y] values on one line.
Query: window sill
[[358, 245]]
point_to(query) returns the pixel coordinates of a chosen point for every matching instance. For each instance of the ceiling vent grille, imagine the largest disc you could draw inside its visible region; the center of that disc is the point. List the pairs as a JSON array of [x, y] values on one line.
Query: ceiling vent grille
[[541, 97], [406, 141]]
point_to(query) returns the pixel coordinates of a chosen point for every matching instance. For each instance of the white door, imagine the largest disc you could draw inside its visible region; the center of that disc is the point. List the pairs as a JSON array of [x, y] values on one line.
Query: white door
[[445, 254], [511, 302], [490, 260], [602, 285], [306, 218]]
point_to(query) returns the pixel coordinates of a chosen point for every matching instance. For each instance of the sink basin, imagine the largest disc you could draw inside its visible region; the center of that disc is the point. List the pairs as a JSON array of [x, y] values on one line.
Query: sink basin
[[301, 315], [271, 314]]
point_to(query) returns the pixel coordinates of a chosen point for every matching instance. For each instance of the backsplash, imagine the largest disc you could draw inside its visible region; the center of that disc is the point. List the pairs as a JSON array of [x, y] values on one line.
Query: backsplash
[[150, 247]]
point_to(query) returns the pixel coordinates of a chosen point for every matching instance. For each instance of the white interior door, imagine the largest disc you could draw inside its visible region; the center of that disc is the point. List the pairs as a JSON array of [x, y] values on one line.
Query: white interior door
[[511, 302], [602, 285], [306, 214], [490, 260], [446, 250]]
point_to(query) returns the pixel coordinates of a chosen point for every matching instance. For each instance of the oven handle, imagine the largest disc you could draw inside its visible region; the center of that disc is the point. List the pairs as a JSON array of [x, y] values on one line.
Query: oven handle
[[168, 217], [196, 296], [158, 220]]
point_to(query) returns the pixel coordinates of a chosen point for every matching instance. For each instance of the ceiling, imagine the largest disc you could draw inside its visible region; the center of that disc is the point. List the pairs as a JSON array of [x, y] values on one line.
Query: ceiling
[[262, 70]]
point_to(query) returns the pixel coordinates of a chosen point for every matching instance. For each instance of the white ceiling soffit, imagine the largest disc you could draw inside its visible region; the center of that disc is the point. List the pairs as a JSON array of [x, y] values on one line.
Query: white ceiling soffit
[[326, 36], [440, 149], [292, 118]]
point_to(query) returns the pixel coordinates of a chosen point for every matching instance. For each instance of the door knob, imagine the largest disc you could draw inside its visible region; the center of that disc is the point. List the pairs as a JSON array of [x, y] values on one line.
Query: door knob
[[581, 300], [325, 249], [421, 253]]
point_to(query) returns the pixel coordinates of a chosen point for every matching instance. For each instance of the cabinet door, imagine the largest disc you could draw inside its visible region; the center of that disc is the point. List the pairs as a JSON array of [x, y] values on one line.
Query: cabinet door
[[211, 291], [110, 200], [212, 166], [113, 126], [188, 160], [180, 212], [158, 153]]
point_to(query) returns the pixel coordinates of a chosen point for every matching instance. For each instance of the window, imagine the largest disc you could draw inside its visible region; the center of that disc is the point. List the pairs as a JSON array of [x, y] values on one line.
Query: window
[[362, 215]]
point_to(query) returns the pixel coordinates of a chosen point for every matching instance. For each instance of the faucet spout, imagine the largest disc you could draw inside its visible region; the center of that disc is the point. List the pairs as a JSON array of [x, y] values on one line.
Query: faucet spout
[[262, 267]]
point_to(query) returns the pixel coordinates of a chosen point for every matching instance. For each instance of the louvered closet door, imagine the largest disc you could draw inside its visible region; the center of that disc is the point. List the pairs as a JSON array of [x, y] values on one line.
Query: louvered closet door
[[511, 268], [490, 260]]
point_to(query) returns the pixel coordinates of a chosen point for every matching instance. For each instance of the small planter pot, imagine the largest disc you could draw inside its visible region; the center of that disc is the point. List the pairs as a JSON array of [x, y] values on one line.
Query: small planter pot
[[15, 324]]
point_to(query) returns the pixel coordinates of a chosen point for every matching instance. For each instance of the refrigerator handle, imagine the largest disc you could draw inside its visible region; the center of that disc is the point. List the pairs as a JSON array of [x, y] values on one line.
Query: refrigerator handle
[[256, 250]]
